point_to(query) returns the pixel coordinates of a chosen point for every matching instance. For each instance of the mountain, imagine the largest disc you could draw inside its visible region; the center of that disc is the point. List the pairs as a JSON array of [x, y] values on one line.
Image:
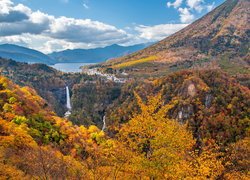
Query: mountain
[[222, 37], [95, 55], [23, 54]]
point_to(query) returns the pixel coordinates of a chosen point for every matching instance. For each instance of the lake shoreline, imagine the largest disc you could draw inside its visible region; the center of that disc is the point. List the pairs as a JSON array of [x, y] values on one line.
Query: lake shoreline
[[70, 67]]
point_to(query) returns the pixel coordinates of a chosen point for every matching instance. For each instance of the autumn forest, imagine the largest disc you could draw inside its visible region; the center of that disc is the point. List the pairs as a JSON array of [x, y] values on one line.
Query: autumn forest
[[177, 109]]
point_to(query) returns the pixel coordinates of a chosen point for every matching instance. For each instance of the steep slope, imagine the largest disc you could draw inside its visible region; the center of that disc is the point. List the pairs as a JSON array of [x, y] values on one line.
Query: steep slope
[[22, 54], [210, 101], [36, 144], [95, 55], [222, 33], [48, 82]]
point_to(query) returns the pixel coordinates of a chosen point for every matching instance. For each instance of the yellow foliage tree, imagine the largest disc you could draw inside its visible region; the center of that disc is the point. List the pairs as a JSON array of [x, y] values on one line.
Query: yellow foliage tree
[[207, 164], [161, 144]]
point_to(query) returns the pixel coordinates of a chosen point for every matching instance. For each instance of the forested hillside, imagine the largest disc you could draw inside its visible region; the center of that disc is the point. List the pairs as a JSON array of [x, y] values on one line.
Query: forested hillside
[[90, 94], [212, 103], [48, 82], [37, 144], [179, 109]]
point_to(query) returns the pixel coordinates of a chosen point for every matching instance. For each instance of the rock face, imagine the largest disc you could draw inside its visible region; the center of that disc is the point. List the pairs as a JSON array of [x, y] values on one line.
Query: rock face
[[225, 30], [184, 113], [191, 90], [58, 100], [208, 100]]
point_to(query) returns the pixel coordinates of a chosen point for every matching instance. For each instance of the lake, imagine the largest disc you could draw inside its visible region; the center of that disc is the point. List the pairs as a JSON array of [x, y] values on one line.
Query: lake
[[70, 67]]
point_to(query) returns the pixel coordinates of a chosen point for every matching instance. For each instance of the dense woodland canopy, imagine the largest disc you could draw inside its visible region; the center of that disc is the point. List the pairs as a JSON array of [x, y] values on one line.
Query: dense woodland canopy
[[182, 113], [35, 143]]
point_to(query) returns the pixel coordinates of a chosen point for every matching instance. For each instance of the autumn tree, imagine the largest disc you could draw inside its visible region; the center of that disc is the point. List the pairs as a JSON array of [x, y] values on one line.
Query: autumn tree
[[161, 144], [206, 164], [237, 160]]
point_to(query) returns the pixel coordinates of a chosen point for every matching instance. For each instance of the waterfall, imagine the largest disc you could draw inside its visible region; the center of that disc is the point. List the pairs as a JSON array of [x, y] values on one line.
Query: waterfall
[[104, 123], [68, 98], [180, 115], [68, 105]]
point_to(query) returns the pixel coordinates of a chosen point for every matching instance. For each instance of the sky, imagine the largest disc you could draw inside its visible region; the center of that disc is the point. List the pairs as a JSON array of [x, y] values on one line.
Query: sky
[[55, 25]]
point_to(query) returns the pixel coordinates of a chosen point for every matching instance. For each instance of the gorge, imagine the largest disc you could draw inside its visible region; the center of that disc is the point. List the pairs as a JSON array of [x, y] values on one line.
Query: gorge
[[178, 109]]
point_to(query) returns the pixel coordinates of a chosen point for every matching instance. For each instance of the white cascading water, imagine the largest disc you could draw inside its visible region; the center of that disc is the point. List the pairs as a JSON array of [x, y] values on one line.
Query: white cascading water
[[68, 105], [104, 123], [68, 98]]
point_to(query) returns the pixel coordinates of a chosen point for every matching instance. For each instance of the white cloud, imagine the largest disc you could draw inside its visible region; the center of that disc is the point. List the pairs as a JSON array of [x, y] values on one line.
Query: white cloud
[[158, 32], [185, 15], [20, 40], [200, 5], [175, 4], [36, 25], [196, 4], [23, 21], [22, 8], [85, 30], [38, 17], [5, 6], [38, 30], [18, 19], [210, 7], [189, 8], [85, 6], [41, 43], [10, 13]]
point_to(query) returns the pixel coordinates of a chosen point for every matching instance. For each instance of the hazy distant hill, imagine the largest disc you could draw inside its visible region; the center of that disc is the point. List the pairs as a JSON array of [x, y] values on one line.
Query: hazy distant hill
[[222, 35], [95, 55], [22, 54]]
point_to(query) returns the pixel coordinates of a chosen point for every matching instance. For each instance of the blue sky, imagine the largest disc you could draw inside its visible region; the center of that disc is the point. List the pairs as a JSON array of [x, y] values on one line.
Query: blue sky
[[53, 25], [120, 13]]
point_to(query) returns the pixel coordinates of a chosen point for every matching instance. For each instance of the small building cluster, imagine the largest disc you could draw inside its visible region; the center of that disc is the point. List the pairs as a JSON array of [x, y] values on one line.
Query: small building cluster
[[109, 77]]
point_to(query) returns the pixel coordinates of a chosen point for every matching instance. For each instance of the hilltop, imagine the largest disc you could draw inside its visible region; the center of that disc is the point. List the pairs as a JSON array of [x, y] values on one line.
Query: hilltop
[[220, 39], [95, 55], [22, 54]]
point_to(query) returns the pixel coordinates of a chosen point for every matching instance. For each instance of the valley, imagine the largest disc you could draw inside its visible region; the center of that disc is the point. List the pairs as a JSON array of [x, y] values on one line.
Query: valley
[[175, 109]]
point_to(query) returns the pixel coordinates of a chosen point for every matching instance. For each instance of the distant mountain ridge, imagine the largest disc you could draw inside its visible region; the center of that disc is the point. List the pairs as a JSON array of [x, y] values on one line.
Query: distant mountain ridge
[[95, 55], [22, 54], [222, 34]]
